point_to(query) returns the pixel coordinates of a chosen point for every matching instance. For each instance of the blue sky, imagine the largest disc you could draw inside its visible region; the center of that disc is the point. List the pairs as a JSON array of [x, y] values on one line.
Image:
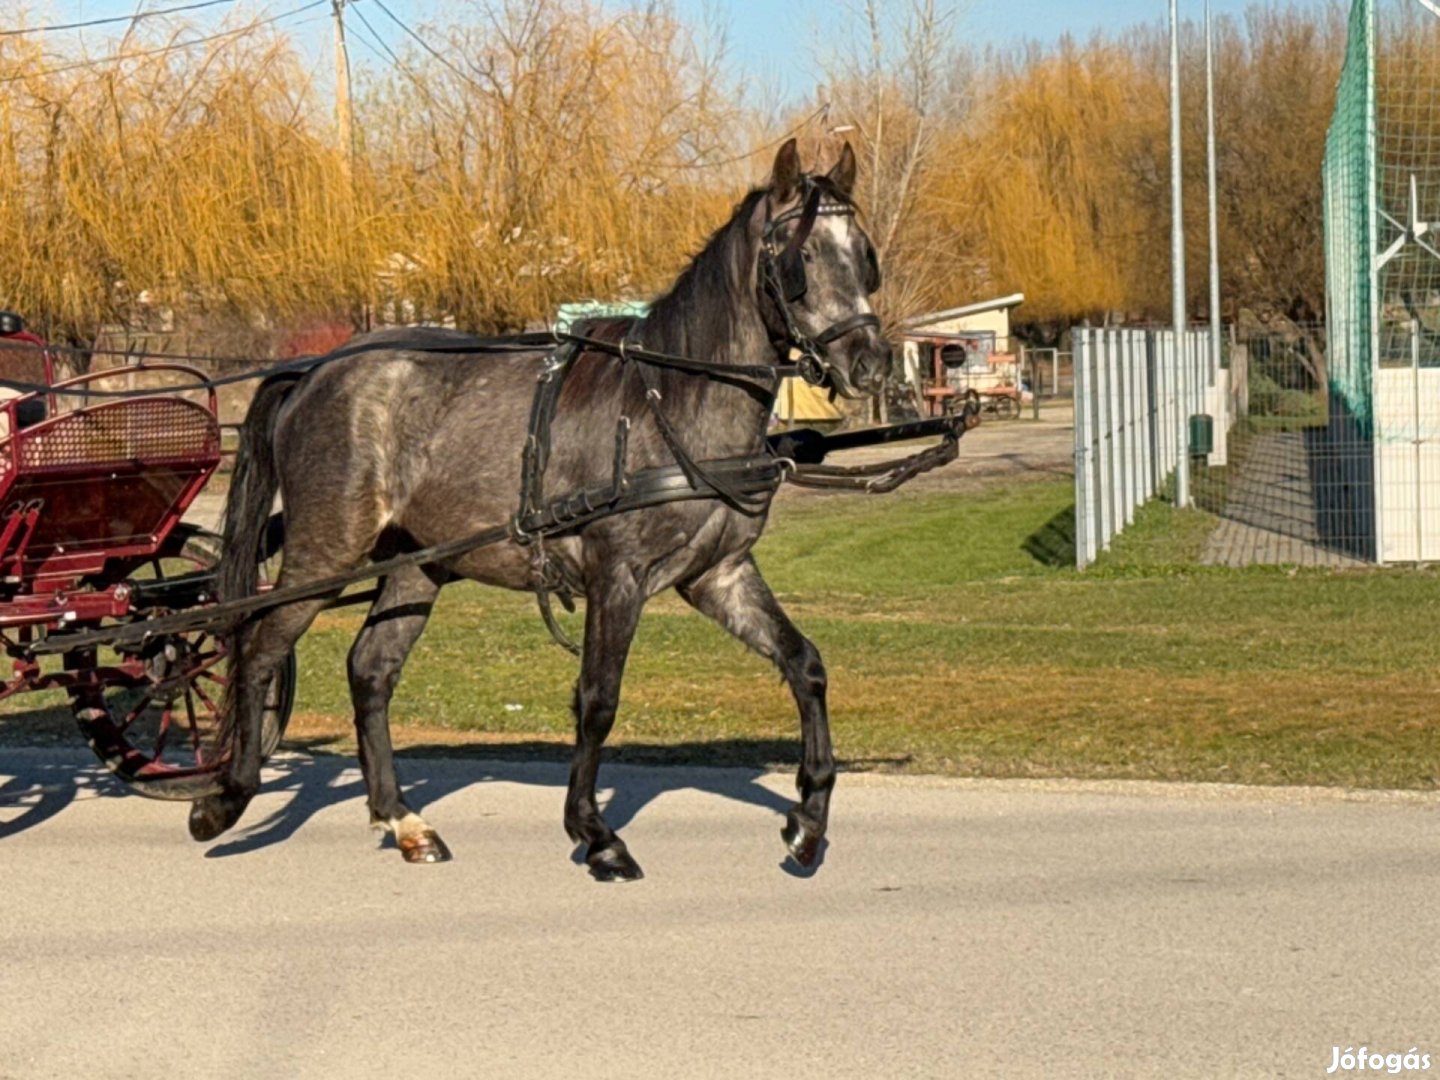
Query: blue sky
[[768, 38], [773, 44]]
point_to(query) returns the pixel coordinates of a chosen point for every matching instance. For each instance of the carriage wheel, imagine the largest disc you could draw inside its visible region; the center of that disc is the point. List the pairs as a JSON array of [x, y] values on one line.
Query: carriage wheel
[[1006, 408], [153, 715]]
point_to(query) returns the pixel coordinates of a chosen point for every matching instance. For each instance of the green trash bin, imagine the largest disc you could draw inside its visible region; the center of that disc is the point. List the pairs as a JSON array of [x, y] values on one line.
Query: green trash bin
[[1202, 435]]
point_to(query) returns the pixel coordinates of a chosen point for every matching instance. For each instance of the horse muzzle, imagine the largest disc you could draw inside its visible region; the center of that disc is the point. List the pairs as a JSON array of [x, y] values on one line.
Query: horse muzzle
[[861, 366]]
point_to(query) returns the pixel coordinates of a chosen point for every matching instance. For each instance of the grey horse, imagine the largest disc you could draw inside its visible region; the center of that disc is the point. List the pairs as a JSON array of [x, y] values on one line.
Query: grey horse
[[400, 448]]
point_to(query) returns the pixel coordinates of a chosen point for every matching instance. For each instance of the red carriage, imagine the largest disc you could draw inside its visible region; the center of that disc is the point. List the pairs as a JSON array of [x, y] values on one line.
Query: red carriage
[[93, 487]]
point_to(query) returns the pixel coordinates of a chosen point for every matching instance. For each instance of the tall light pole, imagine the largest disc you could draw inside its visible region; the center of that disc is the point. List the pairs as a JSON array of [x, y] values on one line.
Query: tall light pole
[[1214, 215], [1177, 273]]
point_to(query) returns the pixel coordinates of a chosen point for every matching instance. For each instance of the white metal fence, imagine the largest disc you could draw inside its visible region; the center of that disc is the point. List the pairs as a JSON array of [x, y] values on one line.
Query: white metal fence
[[1134, 395]]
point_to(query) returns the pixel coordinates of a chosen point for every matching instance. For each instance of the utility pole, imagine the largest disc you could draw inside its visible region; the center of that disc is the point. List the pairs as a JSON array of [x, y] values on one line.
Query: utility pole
[[344, 115], [1177, 273], [1214, 214]]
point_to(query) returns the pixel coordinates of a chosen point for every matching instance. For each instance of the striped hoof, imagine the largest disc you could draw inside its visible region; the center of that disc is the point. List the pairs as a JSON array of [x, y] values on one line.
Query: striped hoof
[[424, 847]]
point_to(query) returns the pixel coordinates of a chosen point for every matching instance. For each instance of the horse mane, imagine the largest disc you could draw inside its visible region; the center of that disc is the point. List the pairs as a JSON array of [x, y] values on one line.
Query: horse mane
[[696, 315]]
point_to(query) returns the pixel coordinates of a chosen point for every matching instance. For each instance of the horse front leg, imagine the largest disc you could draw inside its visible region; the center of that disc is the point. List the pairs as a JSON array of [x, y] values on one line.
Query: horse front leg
[[736, 596], [611, 615]]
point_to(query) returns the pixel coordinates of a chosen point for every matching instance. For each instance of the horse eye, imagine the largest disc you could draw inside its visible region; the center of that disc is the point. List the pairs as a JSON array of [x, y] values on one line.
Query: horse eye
[[805, 253], [872, 271]]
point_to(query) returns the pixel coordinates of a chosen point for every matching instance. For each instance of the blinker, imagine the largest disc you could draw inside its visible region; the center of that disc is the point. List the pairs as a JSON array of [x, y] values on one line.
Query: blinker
[[791, 268]]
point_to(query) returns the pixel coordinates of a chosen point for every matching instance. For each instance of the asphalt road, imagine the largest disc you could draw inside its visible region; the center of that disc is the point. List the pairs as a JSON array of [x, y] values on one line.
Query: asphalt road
[[954, 929]]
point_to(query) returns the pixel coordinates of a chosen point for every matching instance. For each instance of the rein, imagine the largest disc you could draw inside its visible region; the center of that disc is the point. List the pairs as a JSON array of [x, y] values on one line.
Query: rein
[[762, 375]]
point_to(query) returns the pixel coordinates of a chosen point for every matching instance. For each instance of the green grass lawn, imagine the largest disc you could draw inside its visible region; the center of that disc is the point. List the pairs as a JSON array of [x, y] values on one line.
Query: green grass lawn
[[959, 640]]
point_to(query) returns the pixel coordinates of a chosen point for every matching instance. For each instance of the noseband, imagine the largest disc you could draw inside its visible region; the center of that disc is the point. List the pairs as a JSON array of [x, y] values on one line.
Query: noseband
[[782, 274]]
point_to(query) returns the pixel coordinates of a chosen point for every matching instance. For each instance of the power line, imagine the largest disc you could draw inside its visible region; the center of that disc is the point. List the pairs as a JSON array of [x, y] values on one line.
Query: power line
[[136, 17], [426, 45], [176, 46], [404, 68], [380, 41]]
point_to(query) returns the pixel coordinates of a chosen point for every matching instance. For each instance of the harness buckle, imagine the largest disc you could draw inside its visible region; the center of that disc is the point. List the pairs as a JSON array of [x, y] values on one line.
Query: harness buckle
[[519, 535], [812, 368]]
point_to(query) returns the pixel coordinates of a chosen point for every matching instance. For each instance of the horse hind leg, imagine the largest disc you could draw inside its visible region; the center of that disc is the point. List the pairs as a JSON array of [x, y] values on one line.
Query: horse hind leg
[[736, 596], [610, 621], [261, 647], [394, 624]]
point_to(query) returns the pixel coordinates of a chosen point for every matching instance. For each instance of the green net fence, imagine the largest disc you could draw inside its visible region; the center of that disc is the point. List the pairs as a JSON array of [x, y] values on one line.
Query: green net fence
[[1382, 247], [1348, 180], [1382, 199], [1407, 178]]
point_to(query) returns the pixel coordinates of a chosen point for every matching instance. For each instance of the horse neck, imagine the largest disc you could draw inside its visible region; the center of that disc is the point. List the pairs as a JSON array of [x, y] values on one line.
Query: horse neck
[[716, 418]]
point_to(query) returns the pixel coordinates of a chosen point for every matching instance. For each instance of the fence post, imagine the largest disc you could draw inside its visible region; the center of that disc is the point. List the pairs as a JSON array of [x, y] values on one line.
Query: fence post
[[1147, 406], [1127, 507], [1034, 355], [1165, 437], [1100, 341], [1083, 516], [1132, 438]]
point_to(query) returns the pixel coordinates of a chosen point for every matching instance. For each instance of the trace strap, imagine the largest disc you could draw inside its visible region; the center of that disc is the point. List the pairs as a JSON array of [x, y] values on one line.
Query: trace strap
[[794, 456]]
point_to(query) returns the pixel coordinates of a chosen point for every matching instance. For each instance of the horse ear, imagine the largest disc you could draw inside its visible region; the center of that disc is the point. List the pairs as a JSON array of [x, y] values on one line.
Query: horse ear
[[843, 174], [785, 177]]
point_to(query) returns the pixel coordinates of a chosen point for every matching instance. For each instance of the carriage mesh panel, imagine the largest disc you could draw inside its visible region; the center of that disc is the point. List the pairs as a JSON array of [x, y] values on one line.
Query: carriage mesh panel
[[148, 429]]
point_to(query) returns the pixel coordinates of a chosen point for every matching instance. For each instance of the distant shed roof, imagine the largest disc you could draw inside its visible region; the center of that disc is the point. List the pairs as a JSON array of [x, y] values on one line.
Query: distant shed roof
[[1013, 300]]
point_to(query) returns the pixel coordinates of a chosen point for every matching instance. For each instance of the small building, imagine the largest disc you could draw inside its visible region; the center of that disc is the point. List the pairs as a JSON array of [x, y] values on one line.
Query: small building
[[959, 349]]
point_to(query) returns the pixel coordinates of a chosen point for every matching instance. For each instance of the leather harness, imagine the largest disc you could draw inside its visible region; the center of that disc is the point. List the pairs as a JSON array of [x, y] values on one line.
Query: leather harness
[[745, 484]]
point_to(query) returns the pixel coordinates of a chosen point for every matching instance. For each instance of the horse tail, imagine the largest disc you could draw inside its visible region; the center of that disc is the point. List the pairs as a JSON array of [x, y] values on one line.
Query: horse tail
[[253, 485]]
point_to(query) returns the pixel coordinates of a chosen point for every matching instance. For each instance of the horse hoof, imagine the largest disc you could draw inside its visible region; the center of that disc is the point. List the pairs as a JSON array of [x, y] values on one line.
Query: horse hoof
[[212, 815], [802, 842], [613, 863], [425, 847]]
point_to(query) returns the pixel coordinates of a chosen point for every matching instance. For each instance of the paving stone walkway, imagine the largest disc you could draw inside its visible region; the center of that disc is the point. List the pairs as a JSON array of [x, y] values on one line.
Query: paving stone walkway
[[1271, 510]]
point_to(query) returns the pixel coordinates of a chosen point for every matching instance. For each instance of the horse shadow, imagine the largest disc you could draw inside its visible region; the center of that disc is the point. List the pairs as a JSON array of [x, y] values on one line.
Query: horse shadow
[[637, 775], [48, 775]]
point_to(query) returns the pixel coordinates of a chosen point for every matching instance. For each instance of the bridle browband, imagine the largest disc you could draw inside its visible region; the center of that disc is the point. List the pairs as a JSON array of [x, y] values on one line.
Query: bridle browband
[[783, 278]]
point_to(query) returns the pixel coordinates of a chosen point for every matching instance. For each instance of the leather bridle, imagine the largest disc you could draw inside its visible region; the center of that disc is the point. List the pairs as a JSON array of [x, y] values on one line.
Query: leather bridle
[[783, 278]]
